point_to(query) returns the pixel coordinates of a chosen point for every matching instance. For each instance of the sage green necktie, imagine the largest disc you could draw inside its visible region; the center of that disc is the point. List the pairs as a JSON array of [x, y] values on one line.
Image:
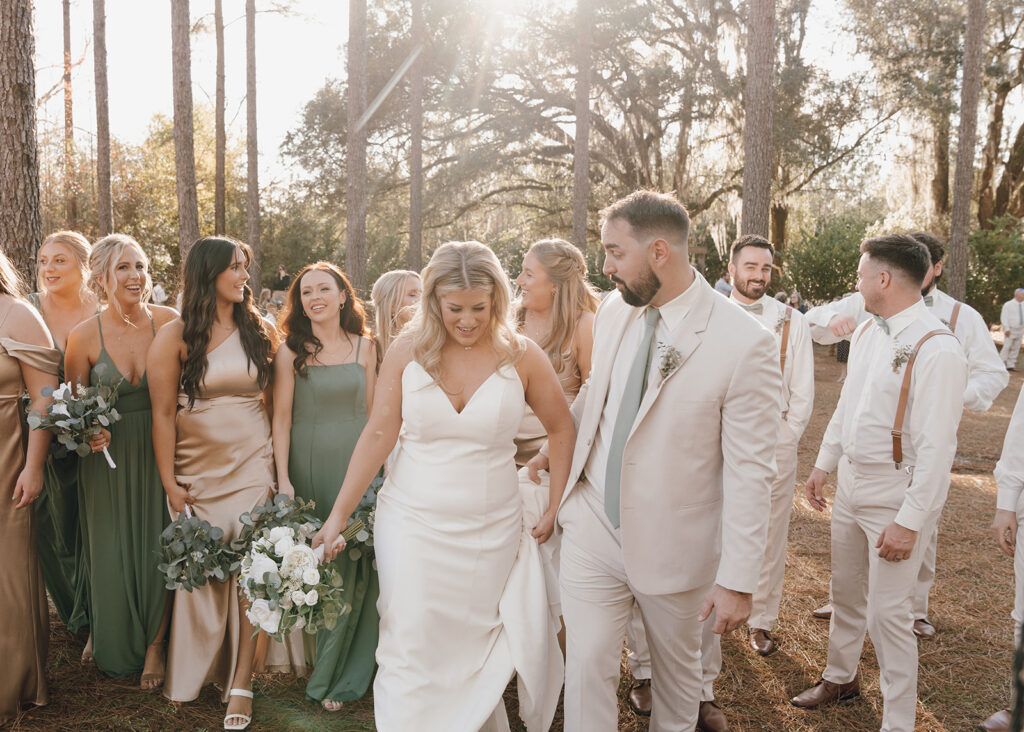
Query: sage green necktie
[[1020, 313], [632, 395]]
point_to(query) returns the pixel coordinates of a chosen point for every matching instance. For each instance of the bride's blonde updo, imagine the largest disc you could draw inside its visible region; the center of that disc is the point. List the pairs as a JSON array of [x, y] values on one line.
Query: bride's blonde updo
[[455, 267], [103, 260]]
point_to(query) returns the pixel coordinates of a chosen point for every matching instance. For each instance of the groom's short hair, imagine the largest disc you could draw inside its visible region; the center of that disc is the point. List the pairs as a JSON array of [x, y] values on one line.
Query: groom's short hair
[[750, 240], [653, 214], [900, 252]]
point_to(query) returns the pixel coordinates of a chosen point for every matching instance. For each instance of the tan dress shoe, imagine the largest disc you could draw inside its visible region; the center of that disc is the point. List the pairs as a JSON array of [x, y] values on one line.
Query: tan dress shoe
[[923, 629], [711, 718], [824, 612], [825, 692], [639, 697], [998, 722], [761, 641]]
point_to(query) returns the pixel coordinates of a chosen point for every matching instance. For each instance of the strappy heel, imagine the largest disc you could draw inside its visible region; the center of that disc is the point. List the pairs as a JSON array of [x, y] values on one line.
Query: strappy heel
[[247, 718]]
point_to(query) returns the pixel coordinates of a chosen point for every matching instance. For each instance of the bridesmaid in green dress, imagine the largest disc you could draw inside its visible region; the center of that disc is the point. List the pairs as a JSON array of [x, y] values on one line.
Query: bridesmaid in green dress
[[323, 387], [122, 508], [64, 301]]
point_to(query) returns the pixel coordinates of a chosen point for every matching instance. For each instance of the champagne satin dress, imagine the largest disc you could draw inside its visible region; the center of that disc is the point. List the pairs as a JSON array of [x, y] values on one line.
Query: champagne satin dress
[[224, 454], [25, 630]]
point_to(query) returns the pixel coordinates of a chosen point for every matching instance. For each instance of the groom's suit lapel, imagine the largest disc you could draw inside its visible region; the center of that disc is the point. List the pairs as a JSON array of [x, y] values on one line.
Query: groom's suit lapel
[[686, 340]]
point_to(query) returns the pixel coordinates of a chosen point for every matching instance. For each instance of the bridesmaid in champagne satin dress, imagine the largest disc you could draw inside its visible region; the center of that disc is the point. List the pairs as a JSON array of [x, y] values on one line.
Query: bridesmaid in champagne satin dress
[[211, 432], [26, 362]]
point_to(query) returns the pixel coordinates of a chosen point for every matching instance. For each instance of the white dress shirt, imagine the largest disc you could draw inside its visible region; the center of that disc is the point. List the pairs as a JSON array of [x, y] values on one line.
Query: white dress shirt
[[1012, 315], [861, 427], [986, 374], [797, 399], [1009, 472], [672, 315]]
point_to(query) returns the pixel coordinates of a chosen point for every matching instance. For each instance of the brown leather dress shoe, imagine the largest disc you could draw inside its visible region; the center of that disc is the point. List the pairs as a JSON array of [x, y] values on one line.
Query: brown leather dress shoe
[[761, 641], [923, 629], [824, 612], [998, 722], [711, 718], [639, 697], [825, 692]]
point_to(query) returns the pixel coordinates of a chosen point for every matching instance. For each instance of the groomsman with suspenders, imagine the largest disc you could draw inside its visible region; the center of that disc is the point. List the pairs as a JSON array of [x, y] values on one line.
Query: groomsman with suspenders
[[893, 443], [1012, 320], [677, 427], [986, 378]]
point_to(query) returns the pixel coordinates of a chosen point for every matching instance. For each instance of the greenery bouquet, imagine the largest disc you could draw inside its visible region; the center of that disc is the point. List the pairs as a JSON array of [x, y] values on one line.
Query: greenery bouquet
[[194, 552], [361, 541], [76, 414]]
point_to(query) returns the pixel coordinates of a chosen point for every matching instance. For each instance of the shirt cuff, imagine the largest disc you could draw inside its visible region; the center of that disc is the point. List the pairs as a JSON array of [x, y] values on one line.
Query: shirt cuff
[[911, 518], [827, 461], [1007, 498]]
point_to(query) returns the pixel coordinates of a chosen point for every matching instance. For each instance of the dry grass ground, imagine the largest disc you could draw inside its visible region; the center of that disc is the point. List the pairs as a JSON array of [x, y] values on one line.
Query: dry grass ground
[[964, 672]]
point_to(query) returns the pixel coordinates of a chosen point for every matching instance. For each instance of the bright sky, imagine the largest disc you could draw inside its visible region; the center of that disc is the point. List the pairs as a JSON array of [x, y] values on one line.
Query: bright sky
[[294, 55]]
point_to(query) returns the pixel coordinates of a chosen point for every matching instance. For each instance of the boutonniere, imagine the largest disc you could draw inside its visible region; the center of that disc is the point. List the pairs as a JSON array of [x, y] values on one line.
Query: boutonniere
[[900, 355], [781, 323], [946, 323], [669, 359]]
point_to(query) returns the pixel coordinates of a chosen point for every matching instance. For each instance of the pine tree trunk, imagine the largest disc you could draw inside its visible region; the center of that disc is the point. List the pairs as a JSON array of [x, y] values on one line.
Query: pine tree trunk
[[70, 176], [252, 147], [219, 217], [757, 118], [416, 140], [104, 206], [986, 194], [940, 181], [780, 215], [963, 181], [184, 150], [355, 224], [581, 150], [1010, 191], [21, 229]]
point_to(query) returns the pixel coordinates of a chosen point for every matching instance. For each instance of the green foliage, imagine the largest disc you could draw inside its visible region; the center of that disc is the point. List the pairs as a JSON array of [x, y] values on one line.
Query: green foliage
[[75, 414], [193, 553], [995, 266], [822, 263]]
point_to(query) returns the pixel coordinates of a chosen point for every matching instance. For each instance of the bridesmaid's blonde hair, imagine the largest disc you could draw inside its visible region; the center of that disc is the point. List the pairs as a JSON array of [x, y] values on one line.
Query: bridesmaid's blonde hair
[[455, 267], [386, 295], [105, 255], [565, 266], [80, 249]]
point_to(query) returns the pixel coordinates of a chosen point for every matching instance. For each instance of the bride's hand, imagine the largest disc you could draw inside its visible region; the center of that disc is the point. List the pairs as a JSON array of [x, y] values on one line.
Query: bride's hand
[[329, 536], [544, 528]]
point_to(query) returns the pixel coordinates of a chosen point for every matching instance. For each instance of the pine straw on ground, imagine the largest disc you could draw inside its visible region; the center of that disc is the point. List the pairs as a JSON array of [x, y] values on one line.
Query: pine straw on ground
[[964, 671]]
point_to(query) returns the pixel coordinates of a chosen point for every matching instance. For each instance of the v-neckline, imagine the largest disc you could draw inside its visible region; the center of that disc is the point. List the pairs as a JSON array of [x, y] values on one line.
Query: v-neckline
[[459, 413]]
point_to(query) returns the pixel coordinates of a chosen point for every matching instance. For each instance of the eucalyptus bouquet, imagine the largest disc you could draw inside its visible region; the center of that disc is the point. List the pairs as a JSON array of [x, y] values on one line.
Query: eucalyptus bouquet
[[194, 552], [76, 414], [288, 585], [366, 513]]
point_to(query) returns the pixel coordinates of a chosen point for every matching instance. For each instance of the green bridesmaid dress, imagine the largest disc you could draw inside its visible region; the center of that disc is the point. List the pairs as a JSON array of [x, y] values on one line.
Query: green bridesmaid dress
[[328, 415], [124, 510], [58, 532]]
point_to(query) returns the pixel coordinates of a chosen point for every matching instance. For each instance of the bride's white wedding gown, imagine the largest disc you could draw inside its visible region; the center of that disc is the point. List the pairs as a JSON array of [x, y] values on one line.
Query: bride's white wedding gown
[[463, 603]]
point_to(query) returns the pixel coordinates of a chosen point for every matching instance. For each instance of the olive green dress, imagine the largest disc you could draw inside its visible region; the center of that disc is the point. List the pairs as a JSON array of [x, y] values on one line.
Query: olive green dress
[[123, 513], [58, 531], [328, 415]]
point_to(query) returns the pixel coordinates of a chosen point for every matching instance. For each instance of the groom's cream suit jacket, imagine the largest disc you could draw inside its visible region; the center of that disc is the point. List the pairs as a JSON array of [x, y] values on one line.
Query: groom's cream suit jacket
[[699, 463]]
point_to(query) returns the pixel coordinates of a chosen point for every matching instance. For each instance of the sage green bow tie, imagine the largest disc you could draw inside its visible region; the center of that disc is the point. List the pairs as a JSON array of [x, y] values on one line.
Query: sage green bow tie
[[929, 300], [756, 308], [881, 323]]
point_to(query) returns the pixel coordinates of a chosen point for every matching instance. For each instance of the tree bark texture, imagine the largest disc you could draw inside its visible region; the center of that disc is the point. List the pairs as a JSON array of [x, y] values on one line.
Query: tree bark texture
[[986, 194], [104, 206], [963, 180], [581, 151], [355, 223], [219, 216], [780, 214], [184, 151], [252, 148], [70, 177], [757, 118], [20, 226], [940, 180], [1010, 192], [416, 140]]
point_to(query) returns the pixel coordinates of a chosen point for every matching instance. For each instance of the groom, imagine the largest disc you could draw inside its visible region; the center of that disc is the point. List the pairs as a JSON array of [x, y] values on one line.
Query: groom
[[672, 472]]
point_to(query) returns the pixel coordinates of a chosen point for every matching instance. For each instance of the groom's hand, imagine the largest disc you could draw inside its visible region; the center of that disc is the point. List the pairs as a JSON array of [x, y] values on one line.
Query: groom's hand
[[538, 463], [731, 609]]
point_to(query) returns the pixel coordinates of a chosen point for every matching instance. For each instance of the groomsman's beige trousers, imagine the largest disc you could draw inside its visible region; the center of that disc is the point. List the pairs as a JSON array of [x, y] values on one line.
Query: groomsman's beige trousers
[[873, 594], [926, 575], [597, 600], [1011, 346]]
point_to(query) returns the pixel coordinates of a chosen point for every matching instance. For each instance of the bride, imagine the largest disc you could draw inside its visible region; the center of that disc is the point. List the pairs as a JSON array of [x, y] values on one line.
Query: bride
[[463, 603]]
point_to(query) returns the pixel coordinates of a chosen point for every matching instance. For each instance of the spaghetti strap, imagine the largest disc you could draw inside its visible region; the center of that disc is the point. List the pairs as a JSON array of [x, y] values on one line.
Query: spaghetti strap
[[99, 324], [359, 344], [152, 325]]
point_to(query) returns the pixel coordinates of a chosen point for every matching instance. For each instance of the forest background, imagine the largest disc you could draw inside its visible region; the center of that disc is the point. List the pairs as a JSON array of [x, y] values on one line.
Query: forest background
[[864, 133]]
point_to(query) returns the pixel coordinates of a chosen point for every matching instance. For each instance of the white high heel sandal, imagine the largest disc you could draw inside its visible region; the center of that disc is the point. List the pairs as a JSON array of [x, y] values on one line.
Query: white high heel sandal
[[245, 717]]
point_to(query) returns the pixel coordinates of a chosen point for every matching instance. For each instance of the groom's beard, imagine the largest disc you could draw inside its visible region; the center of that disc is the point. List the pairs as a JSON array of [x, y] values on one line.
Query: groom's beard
[[928, 288], [751, 289], [641, 292]]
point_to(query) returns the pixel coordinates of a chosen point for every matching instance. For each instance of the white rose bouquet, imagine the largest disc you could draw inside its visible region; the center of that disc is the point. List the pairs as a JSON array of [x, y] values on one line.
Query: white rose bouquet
[[76, 414], [288, 585]]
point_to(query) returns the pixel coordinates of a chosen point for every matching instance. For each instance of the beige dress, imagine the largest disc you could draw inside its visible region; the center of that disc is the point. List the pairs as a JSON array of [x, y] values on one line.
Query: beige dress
[[224, 453], [24, 632]]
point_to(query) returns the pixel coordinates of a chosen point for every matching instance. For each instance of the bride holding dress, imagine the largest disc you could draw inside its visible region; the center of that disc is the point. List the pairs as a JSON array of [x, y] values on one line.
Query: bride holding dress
[[463, 601]]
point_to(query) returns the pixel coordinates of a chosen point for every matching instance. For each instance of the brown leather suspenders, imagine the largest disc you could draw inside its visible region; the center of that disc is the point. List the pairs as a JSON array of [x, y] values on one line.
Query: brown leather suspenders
[[901, 406], [954, 316], [785, 339]]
